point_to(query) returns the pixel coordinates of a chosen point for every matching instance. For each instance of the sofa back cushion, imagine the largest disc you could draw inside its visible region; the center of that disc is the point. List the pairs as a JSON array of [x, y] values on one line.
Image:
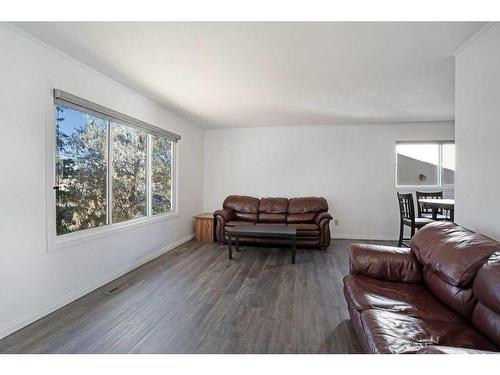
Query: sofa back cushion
[[451, 257], [245, 208], [273, 210], [306, 205], [304, 210], [486, 316]]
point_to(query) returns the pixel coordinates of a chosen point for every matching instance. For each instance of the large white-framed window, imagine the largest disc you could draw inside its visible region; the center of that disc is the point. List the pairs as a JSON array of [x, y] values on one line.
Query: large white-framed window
[[425, 164], [106, 171]]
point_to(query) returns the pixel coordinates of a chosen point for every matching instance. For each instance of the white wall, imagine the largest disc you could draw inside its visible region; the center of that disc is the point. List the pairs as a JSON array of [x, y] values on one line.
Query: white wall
[[352, 166], [477, 112], [34, 282]]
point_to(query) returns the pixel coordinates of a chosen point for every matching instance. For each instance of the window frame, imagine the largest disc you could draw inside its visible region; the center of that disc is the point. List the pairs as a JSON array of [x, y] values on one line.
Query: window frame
[[56, 242], [439, 166]]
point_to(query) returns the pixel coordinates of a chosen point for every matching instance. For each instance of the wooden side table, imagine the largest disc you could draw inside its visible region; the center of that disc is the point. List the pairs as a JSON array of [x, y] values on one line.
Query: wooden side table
[[204, 227]]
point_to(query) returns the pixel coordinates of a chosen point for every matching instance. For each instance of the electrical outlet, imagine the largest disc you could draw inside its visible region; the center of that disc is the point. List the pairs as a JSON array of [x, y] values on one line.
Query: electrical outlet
[[335, 221]]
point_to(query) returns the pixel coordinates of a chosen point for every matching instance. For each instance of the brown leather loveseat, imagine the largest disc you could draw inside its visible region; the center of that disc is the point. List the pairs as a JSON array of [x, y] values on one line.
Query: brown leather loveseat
[[440, 296], [309, 215]]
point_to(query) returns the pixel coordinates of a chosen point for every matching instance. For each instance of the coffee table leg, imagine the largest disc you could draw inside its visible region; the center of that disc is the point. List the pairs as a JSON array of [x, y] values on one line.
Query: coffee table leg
[[237, 243], [229, 248], [294, 249]]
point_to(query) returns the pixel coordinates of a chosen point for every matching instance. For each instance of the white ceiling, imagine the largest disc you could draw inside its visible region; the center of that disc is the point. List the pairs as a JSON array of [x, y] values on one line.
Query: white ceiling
[[272, 74]]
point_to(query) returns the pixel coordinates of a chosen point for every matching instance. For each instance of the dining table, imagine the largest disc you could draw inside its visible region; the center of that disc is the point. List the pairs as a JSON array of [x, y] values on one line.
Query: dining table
[[439, 203]]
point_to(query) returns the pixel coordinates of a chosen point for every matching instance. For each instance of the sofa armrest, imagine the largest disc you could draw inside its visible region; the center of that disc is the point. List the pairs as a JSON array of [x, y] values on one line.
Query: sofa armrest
[[221, 218], [439, 349], [384, 263], [322, 219], [226, 214], [321, 216]]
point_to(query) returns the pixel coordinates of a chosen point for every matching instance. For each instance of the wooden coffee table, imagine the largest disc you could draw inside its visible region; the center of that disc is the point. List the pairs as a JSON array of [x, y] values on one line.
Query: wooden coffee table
[[260, 232]]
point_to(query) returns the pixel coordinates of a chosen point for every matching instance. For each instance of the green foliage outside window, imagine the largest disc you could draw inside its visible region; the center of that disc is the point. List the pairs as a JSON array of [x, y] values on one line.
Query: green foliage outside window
[[161, 166], [81, 170], [129, 173]]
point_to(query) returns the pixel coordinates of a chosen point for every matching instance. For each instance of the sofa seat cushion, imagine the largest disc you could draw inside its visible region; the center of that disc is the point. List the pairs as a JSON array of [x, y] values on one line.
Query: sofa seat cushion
[[239, 223], [389, 332], [404, 298], [280, 225], [307, 217], [308, 233], [306, 230], [304, 227], [272, 218]]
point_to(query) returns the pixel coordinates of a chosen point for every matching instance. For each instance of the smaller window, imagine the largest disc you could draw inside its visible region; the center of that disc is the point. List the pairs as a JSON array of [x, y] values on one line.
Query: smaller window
[[425, 164]]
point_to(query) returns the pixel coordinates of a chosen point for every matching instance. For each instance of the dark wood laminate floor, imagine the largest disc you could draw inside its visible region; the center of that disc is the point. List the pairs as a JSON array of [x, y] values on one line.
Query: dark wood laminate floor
[[194, 300]]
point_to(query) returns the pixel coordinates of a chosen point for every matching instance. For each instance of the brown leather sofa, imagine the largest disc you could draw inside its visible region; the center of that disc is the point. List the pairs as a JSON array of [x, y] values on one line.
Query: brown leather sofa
[[309, 215], [440, 296]]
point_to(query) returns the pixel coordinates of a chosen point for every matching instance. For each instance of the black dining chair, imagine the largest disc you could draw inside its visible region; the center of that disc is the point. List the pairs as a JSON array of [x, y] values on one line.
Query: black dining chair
[[427, 211], [407, 217]]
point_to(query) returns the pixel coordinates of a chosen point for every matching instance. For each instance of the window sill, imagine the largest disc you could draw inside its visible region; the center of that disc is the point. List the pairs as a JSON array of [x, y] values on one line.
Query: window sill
[[72, 239]]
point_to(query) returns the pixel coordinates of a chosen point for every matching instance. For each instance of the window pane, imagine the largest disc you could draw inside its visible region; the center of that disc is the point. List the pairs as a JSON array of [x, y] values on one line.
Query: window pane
[[161, 165], [448, 164], [417, 164], [129, 173], [81, 171]]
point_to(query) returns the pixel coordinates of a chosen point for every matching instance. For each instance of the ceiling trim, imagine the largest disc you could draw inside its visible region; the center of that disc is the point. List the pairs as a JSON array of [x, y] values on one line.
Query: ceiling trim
[[472, 38]]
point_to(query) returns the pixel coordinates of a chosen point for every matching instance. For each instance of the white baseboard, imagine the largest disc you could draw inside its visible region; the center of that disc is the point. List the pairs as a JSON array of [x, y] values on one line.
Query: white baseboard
[[347, 236], [33, 316]]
